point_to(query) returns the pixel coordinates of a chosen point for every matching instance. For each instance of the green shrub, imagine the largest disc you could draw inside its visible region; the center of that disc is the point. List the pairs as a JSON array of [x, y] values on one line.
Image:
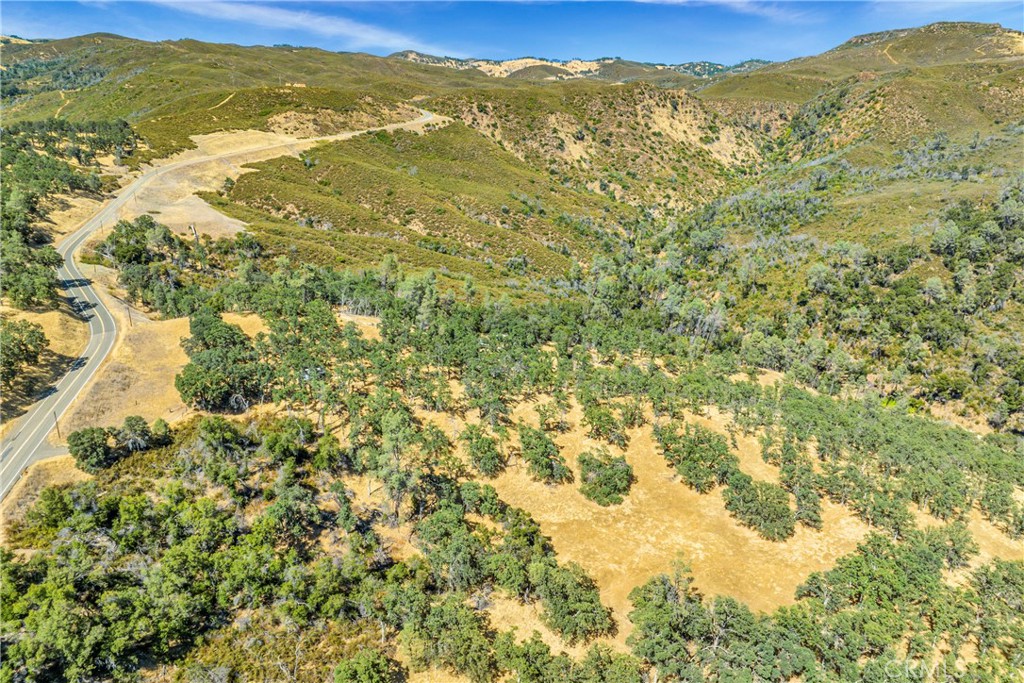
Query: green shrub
[[604, 479]]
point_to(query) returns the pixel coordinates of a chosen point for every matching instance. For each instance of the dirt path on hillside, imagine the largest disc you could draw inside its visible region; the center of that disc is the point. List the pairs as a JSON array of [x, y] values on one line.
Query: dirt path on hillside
[[222, 102], [66, 102], [171, 199]]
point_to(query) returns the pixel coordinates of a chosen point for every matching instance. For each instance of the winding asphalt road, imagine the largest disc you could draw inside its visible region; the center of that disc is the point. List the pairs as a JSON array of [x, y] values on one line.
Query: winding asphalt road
[[29, 443]]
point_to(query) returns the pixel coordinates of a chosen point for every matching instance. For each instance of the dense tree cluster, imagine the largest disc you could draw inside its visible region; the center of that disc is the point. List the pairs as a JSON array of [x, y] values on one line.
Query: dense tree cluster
[[224, 371], [287, 540], [37, 75], [604, 479], [34, 165], [96, 448], [483, 451], [165, 271], [873, 456], [849, 622], [21, 345], [542, 456], [206, 561], [704, 461]]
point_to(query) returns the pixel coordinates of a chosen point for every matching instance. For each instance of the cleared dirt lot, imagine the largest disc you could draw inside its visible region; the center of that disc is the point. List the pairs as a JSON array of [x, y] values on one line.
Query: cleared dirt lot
[[170, 198]]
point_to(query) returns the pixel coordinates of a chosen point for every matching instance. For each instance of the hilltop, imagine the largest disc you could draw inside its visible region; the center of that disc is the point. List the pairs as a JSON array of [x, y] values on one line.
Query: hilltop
[[874, 54], [605, 68]]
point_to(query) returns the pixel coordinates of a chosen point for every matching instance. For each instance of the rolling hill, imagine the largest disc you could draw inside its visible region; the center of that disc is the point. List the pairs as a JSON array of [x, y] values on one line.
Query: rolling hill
[[610, 372], [602, 69]]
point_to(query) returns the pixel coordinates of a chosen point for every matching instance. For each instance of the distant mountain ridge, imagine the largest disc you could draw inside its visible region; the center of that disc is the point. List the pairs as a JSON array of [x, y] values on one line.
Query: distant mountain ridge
[[605, 68]]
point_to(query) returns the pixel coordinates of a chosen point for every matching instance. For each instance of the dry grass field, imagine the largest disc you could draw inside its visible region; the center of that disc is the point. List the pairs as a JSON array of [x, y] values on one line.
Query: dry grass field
[[138, 377], [662, 520], [55, 471], [67, 335]]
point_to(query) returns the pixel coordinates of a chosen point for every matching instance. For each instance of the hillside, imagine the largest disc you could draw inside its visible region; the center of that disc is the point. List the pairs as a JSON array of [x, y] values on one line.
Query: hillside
[[174, 89], [636, 143], [604, 69], [580, 372], [494, 219], [934, 45]]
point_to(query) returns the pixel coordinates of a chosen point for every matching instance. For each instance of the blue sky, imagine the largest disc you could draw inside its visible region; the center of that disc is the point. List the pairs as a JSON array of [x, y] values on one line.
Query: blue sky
[[667, 31]]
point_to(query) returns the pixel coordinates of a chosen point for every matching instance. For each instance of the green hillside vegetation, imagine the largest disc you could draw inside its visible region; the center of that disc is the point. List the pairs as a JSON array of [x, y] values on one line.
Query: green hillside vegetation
[[635, 143], [39, 160], [616, 259], [540, 72], [168, 87], [451, 200], [328, 111], [890, 51]]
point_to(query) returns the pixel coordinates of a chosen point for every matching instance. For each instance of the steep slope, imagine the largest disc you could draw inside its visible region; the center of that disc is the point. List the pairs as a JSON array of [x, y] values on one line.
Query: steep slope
[[878, 93], [637, 143], [451, 199], [934, 45]]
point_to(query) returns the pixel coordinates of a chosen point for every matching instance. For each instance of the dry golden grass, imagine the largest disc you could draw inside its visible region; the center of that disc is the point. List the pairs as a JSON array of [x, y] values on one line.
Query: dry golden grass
[[67, 335], [367, 325], [662, 519], [171, 197], [621, 547], [505, 613], [50, 472], [958, 414], [65, 213], [138, 377], [992, 543]]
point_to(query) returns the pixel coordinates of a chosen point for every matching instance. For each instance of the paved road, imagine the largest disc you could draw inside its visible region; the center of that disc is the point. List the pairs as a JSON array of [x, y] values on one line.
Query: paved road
[[29, 443]]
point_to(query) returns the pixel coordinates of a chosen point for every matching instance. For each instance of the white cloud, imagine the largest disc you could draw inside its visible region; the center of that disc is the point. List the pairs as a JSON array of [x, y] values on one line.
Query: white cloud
[[354, 35]]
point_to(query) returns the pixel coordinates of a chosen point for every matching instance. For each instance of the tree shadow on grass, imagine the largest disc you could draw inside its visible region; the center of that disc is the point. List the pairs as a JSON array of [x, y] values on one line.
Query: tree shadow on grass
[[34, 384], [39, 380]]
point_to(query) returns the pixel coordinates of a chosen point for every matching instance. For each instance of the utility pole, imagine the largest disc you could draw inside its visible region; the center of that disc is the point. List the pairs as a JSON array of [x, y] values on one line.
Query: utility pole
[[128, 312], [56, 424]]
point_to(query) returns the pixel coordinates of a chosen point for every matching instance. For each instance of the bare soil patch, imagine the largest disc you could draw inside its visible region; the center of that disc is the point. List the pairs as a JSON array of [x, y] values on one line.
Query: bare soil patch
[[171, 197]]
